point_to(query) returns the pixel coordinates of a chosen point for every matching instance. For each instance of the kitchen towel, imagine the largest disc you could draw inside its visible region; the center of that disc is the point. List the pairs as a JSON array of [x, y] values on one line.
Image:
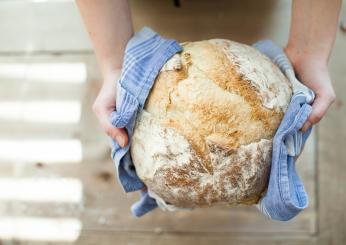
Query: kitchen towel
[[145, 54], [286, 196]]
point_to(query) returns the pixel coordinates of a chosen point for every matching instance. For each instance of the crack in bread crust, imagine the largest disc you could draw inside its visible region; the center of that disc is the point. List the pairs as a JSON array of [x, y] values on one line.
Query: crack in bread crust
[[204, 136], [177, 175]]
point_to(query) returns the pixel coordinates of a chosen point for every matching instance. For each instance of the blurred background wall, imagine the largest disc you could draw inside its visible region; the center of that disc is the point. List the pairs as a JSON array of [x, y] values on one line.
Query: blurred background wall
[[57, 182]]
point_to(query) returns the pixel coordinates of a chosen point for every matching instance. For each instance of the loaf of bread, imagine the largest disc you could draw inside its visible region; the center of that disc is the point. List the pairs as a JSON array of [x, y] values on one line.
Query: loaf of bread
[[205, 134]]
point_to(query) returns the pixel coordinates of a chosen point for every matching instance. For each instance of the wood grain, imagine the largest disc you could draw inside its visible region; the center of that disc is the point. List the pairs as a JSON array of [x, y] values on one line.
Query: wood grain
[[104, 210]]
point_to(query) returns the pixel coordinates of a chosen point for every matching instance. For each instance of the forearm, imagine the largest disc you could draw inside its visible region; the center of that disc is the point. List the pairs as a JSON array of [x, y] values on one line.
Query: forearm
[[109, 25], [313, 30], [312, 36]]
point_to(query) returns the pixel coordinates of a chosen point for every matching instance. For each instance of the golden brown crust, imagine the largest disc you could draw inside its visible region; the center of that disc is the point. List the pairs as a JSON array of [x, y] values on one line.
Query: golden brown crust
[[222, 116]]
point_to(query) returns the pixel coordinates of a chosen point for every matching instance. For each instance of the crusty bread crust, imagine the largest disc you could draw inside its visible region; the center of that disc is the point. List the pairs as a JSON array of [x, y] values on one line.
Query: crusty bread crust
[[205, 134]]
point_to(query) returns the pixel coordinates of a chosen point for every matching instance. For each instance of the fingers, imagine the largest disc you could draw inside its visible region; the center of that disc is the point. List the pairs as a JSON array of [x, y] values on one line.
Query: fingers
[[118, 134], [319, 108], [104, 104]]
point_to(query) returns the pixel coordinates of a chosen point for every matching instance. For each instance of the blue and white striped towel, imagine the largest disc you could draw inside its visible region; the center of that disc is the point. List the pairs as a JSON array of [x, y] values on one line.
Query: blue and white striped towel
[[145, 54], [286, 196]]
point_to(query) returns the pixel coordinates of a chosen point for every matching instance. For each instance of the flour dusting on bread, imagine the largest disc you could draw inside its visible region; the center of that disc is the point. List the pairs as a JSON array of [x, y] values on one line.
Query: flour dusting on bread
[[204, 136]]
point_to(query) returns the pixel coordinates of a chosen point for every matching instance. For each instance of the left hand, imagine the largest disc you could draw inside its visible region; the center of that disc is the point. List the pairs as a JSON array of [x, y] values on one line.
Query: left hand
[[314, 74], [105, 104]]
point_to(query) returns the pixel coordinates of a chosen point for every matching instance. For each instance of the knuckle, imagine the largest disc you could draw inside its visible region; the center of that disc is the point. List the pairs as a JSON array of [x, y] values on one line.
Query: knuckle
[[95, 108], [112, 132], [332, 97], [109, 131]]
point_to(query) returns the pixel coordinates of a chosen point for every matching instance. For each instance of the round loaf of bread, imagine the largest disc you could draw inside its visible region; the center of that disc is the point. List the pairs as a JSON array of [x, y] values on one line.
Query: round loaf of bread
[[205, 133]]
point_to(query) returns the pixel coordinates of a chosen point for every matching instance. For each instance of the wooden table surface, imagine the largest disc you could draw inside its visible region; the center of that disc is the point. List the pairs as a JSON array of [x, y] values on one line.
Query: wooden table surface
[[64, 190]]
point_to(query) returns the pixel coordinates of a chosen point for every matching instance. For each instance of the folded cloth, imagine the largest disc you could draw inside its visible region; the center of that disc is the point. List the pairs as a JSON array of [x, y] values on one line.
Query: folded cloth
[[145, 54], [144, 205], [285, 196]]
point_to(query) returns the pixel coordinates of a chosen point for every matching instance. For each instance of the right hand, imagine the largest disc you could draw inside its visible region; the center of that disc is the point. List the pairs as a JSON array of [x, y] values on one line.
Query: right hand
[[105, 104]]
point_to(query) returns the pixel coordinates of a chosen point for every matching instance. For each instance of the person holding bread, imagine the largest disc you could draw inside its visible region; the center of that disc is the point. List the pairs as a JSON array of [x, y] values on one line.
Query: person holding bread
[[197, 124], [311, 38]]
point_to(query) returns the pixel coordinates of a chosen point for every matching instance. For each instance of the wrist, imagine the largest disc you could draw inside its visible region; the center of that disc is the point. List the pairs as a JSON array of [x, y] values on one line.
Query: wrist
[[302, 59], [111, 76]]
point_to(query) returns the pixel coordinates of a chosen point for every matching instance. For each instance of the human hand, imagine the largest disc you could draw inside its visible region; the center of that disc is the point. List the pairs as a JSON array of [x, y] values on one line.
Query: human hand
[[105, 104], [313, 72]]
